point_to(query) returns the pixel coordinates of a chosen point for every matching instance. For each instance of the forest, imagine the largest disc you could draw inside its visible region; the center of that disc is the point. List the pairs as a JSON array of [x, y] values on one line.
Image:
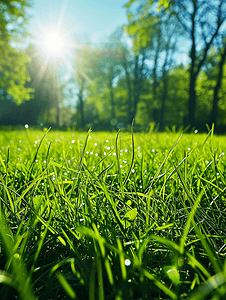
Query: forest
[[165, 68]]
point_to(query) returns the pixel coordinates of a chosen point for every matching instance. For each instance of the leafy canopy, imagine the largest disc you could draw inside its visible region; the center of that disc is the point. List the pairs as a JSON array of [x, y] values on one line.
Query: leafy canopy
[[13, 70]]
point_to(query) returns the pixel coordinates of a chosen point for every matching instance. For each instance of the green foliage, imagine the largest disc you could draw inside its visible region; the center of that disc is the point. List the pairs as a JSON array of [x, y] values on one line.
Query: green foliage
[[13, 17], [13, 70], [13, 73]]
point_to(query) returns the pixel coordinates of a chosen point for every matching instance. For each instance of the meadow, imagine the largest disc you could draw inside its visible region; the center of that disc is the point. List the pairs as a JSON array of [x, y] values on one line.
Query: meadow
[[112, 215]]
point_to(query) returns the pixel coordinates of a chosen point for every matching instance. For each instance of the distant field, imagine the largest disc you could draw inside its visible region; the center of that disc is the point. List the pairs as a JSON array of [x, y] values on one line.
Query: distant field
[[112, 216]]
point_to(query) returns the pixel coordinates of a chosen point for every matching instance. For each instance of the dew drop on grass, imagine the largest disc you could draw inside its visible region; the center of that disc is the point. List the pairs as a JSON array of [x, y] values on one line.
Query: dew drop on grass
[[26, 125], [127, 262], [95, 144], [73, 141], [16, 255]]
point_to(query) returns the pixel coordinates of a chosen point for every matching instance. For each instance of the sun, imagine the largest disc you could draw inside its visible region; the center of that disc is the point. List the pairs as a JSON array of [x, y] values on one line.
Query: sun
[[54, 43]]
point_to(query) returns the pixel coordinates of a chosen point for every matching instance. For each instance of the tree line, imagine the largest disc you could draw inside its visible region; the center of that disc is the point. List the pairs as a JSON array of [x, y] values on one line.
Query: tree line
[[166, 67]]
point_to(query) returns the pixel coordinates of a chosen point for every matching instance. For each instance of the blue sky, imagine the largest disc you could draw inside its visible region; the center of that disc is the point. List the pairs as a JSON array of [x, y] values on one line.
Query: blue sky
[[96, 18]]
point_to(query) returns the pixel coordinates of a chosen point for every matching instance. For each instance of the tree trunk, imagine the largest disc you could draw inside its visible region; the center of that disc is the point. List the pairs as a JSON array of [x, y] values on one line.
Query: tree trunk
[[192, 100], [136, 89], [58, 114], [129, 88], [81, 108], [81, 102], [164, 97], [213, 116], [112, 99], [112, 96], [155, 84], [193, 76]]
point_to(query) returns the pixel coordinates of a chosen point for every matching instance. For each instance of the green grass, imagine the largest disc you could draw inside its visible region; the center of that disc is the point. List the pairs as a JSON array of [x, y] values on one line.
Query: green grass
[[112, 216]]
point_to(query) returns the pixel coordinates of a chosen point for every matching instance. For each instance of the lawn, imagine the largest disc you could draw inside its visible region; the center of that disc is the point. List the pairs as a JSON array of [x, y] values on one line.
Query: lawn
[[112, 215]]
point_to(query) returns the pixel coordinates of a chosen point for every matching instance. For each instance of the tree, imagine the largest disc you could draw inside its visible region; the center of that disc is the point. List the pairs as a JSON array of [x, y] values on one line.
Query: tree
[[154, 33], [42, 81], [97, 71], [131, 67], [13, 18], [84, 72], [202, 20], [13, 71], [109, 65], [214, 112]]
